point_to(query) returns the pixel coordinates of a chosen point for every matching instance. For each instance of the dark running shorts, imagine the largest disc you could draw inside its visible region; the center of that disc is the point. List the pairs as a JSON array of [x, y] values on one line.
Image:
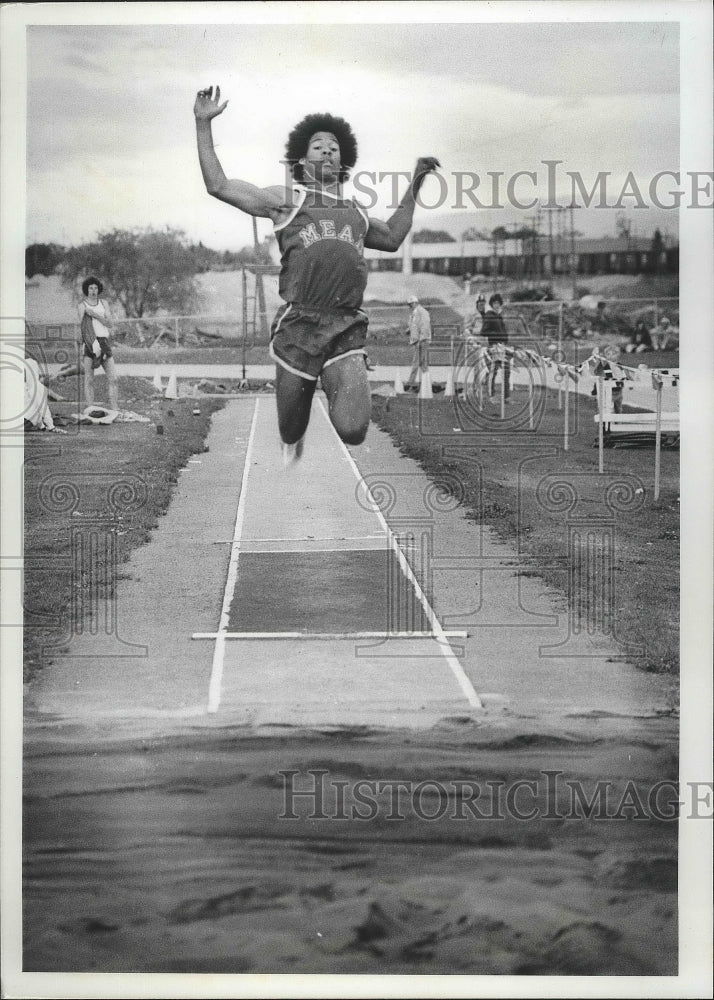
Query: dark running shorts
[[304, 340], [106, 349]]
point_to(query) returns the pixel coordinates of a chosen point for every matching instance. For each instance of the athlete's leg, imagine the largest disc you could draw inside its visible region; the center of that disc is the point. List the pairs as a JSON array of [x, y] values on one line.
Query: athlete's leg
[[294, 398], [88, 381], [347, 390]]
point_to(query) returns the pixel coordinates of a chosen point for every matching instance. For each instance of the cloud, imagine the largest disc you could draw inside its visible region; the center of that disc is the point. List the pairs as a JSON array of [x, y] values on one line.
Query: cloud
[[110, 124]]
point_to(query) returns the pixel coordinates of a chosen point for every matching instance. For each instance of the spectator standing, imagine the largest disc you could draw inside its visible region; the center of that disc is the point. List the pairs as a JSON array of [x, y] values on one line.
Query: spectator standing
[[96, 321], [419, 338], [494, 330], [474, 324]]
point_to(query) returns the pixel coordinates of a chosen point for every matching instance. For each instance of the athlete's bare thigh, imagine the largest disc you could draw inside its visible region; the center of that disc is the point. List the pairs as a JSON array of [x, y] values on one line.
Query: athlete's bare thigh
[[347, 390]]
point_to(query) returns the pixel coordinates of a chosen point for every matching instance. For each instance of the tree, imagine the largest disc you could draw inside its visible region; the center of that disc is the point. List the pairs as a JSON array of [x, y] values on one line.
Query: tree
[[524, 233], [204, 258], [42, 258], [143, 269], [656, 251], [433, 236], [472, 233], [623, 226]]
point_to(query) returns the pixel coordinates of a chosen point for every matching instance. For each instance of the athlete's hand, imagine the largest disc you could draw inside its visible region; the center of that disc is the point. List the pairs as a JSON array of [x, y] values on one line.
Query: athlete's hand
[[425, 165], [208, 105]]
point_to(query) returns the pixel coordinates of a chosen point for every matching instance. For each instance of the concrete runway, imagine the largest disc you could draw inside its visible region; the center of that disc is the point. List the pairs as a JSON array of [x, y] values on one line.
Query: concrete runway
[[309, 552]]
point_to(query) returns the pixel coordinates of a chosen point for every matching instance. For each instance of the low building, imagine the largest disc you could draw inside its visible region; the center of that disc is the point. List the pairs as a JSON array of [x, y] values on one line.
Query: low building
[[531, 258]]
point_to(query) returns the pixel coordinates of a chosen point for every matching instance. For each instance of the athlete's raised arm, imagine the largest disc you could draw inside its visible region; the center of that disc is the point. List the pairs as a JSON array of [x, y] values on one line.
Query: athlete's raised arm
[[271, 202], [391, 234]]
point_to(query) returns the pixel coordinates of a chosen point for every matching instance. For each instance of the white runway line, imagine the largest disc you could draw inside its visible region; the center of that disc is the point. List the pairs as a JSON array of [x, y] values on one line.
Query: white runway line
[[439, 633], [214, 686], [246, 546], [319, 538], [306, 538], [331, 635]]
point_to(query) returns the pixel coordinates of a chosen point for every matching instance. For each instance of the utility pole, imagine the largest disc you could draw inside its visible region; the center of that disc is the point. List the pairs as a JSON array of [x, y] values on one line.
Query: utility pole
[[551, 241], [573, 268], [535, 220], [259, 290], [407, 264]]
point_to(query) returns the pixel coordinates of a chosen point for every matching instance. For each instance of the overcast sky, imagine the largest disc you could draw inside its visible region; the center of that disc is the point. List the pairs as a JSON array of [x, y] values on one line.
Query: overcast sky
[[111, 136]]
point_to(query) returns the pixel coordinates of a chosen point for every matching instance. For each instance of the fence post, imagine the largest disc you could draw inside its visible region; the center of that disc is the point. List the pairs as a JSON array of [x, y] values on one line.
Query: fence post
[[601, 426], [658, 440], [530, 394], [560, 353], [176, 331], [566, 429], [503, 386]]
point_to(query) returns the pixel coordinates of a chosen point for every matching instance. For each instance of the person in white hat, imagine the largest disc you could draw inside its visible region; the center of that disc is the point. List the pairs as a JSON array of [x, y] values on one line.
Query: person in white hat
[[474, 324], [419, 339]]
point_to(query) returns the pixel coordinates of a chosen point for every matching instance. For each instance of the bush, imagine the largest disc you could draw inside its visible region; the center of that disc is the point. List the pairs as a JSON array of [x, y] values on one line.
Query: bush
[[543, 294]]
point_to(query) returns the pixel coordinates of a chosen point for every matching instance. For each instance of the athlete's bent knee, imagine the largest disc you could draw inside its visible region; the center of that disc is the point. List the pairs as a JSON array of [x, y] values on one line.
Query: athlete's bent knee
[[353, 434]]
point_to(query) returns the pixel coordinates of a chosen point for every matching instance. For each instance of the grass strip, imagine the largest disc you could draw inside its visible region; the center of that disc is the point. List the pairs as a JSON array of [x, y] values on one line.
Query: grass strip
[[68, 479], [504, 477]]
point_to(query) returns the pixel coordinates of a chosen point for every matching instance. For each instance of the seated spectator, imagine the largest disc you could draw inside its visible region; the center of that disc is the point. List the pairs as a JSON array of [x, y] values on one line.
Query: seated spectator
[[640, 339], [662, 335], [37, 409]]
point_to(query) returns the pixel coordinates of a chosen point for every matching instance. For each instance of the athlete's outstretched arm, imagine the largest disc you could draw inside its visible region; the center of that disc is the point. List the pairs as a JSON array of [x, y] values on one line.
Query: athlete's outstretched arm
[[391, 234], [269, 202]]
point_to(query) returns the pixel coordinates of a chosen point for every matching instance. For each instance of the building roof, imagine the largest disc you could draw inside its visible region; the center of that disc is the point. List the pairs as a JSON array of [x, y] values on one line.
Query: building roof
[[512, 248]]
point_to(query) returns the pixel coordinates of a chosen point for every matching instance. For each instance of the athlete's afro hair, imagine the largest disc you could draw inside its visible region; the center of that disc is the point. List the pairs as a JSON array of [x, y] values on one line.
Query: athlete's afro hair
[[300, 136]]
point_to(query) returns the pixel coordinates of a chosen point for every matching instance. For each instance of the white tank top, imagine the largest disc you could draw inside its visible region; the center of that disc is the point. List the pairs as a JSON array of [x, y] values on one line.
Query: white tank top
[[100, 330]]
